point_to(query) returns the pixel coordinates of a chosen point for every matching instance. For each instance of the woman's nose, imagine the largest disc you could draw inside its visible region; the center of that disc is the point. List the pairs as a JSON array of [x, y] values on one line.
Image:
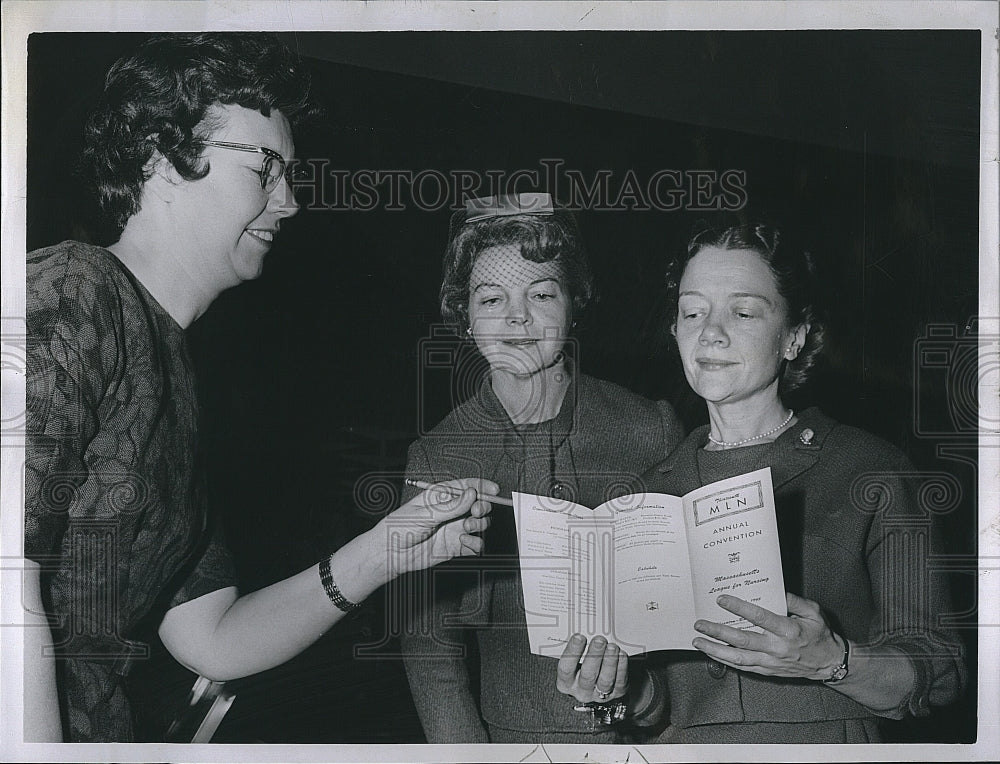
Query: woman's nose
[[713, 333], [281, 199], [517, 313]]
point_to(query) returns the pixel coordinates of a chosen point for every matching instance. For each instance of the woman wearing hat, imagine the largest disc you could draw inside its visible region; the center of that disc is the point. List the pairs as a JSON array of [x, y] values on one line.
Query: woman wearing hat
[[515, 280]]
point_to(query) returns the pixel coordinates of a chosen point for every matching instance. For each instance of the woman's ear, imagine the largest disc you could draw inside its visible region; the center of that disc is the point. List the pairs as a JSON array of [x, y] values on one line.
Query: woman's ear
[[797, 341], [673, 330]]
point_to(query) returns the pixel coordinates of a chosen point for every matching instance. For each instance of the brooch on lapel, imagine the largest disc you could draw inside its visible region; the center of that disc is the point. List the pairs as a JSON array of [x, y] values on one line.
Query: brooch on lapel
[[806, 436]]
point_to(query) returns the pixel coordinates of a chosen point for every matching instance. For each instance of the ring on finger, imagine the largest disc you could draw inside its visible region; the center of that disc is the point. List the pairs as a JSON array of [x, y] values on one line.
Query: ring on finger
[[602, 694]]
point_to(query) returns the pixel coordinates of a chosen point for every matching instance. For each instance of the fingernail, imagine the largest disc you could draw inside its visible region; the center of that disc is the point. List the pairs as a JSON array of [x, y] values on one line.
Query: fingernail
[[576, 639]]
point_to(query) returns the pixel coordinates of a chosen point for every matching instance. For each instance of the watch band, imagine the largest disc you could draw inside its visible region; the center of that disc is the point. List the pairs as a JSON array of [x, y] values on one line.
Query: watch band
[[839, 672], [332, 591]]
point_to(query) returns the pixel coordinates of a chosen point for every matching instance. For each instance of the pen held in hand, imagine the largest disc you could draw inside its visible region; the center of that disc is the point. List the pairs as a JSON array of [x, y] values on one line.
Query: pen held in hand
[[423, 485]]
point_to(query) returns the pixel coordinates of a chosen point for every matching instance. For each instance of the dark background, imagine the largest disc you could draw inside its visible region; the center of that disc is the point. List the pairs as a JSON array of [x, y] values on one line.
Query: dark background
[[311, 377]]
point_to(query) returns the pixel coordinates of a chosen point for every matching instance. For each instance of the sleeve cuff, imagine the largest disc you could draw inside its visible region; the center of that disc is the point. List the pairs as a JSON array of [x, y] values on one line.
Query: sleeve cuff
[[656, 709], [917, 701]]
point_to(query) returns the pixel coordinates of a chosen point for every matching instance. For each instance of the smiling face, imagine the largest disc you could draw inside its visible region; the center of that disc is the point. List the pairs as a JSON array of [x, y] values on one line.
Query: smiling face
[[519, 311], [732, 327], [227, 221]]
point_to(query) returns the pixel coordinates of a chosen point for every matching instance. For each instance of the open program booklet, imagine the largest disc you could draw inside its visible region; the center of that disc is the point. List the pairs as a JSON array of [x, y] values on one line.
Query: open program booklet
[[640, 569]]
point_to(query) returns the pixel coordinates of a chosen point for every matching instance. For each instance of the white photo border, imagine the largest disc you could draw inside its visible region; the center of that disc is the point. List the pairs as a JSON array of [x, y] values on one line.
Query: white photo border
[[21, 18]]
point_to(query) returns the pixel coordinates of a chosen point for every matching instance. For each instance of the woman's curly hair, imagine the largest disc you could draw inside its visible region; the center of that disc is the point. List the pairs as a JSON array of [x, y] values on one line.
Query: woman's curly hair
[[158, 97], [540, 238], [795, 276]]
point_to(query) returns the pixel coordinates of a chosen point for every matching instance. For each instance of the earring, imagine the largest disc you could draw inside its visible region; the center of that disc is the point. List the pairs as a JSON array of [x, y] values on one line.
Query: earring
[[468, 331]]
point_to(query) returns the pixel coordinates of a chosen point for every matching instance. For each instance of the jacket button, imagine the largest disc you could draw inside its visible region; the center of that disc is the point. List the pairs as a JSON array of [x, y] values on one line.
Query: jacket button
[[561, 491], [716, 670]]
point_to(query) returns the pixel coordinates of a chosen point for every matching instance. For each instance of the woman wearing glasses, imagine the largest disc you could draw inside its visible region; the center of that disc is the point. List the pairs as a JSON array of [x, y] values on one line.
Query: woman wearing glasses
[[187, 153], [515, 280]]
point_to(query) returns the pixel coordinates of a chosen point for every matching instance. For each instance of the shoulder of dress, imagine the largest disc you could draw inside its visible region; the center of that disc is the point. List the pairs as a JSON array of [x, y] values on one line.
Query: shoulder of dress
[[468, 423], [844, 442], [73, 271], [68, 254], [613, 397], [684, 454]]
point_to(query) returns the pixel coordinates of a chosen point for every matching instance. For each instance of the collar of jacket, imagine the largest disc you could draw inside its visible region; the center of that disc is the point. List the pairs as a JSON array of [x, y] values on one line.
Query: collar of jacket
[[496, 417], [796, 450]]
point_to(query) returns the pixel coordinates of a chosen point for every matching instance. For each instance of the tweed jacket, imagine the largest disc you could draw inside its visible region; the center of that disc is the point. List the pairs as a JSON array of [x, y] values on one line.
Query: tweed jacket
[[856, 536], [465, 643]]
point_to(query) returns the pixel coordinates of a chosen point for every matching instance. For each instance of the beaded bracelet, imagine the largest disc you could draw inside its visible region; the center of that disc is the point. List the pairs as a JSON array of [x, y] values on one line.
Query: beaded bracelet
[[335, 595], [602, 714]]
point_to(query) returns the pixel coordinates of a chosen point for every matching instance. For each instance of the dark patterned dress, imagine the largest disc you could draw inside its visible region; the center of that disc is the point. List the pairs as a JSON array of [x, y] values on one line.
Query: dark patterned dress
[[114, 493]]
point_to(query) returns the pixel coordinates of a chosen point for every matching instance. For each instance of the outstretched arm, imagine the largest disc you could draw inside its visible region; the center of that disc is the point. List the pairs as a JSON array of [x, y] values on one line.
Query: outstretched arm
[[223, 636], [42, 723]]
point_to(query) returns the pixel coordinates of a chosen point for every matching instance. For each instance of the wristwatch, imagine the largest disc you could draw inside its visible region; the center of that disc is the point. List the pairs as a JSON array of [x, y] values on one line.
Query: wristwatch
[[839, 672]]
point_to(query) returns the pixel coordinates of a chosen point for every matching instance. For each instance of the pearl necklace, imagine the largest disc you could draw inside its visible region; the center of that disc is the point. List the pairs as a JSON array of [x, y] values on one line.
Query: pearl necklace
[[726, 444]]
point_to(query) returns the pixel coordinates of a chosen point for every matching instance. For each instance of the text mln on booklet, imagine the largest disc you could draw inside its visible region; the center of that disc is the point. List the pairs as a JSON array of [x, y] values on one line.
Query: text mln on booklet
[[640, 569]]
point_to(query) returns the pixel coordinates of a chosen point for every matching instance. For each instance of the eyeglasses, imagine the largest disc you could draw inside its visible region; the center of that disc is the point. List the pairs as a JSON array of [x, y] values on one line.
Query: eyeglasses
[[272, 169]]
